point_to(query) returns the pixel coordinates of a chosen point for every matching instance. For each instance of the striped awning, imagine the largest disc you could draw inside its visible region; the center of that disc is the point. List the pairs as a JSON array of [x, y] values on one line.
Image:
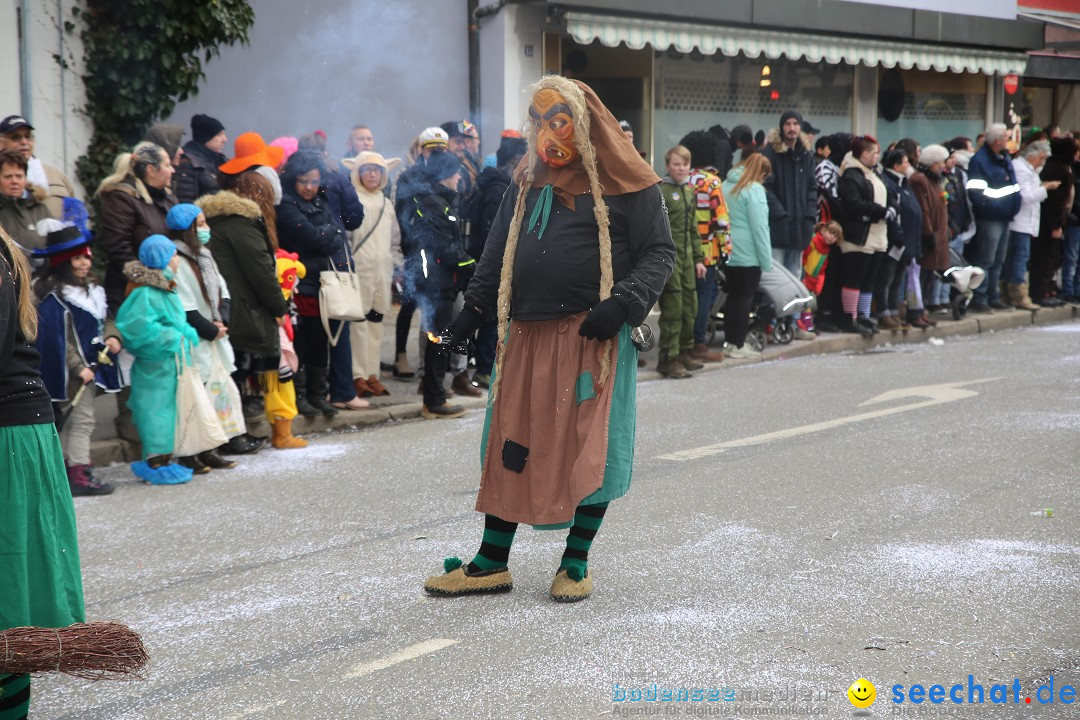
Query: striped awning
[[636, 33]]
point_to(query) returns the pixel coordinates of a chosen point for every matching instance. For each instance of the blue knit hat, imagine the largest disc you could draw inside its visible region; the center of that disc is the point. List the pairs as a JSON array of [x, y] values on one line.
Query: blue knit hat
[[156, 251], [181, 216]]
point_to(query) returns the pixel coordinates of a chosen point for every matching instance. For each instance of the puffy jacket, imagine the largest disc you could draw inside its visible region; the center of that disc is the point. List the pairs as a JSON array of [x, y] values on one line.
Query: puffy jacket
[[345, 207], [307, 227], [1032, 193], [748, 213], [860, 210], [196, 175], [491, 187], [992, 186], [439, 263]]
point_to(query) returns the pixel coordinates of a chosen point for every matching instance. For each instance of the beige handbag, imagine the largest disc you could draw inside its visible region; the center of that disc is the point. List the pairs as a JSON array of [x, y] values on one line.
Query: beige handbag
[[340, 298]]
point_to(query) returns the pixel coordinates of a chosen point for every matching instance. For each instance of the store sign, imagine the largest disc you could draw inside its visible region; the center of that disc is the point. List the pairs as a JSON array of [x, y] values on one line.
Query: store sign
[[1012, 84], [1001, 9]]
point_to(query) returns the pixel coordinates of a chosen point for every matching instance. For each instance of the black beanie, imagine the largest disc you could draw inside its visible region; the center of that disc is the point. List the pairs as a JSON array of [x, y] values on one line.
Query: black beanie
[[788, 114], [442, 165], [510, 148], [204, 128]]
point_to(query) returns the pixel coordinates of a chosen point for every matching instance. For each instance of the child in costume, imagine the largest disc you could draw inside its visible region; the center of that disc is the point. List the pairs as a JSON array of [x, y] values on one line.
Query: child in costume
[[206, 302], [278, 387], [678, 302], [77, 344], [579, 252], [154, 327], [815, 258]]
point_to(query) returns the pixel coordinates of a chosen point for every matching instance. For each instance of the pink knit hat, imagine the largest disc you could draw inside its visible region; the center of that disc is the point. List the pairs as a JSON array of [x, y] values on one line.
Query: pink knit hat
[[286, 143]]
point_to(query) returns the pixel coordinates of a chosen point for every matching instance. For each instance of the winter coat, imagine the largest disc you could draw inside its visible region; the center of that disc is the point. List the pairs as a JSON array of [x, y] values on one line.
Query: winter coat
[[958, 205], [307, 227], [864, 199], [908, 221], [992, 186], [197, 173], [1055, 210], [438, 265], [154, 328], [20, 216], [199, 307], [1032, 194], [935, 221], [792, 185], [491, 187], [748, 213], [681, 201], [345, 208], [126, 220], [370, 244], [245, 257]]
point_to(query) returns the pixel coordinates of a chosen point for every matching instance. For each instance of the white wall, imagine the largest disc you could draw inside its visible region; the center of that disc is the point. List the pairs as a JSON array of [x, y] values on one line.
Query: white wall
[[57, 95], [397, 67], [506, 71]]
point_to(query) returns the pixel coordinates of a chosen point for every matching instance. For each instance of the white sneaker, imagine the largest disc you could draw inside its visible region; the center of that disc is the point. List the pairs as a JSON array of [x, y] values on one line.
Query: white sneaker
[[742, 352]]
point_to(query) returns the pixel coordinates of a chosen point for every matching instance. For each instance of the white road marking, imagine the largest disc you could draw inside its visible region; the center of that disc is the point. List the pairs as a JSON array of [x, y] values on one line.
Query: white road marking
[[936, 394], [409, 653]]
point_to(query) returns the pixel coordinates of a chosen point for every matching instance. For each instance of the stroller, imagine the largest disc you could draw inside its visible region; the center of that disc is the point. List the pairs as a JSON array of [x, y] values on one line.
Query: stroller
[[788, 298], [775, 293], [962, 277]]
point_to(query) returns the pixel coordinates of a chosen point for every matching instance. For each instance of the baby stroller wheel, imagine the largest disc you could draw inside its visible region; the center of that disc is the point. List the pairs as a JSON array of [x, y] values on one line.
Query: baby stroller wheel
[[755, 338], [959, 306], [784, 332]]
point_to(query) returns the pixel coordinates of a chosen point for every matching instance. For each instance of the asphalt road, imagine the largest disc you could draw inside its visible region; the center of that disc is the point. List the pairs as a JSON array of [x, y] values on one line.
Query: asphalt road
[[781, 537]]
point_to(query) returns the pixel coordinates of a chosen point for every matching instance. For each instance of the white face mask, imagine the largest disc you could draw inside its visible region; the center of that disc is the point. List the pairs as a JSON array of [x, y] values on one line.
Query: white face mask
[[275, 181]]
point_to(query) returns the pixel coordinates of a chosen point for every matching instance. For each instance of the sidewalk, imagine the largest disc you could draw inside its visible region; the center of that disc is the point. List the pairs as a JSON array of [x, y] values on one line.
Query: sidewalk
[[404, 401]]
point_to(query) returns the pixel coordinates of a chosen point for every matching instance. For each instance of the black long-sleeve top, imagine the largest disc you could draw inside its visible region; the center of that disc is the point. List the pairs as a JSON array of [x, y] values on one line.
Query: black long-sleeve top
[[23, 397], [559, 275]]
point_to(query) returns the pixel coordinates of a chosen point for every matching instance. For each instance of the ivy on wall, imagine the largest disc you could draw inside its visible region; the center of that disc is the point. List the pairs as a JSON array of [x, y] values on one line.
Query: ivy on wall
[[141, 58]]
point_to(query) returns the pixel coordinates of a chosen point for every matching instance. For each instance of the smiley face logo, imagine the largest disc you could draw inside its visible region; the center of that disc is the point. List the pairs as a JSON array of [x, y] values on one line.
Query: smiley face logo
[[862, 693]]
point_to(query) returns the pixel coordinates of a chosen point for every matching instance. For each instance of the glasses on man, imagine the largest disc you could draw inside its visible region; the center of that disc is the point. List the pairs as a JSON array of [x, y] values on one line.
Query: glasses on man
[[20, 136]]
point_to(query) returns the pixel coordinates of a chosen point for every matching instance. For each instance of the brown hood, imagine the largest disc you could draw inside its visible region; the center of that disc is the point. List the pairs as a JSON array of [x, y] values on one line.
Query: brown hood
[[776, 141], [620, 168], [226, 202], [140, 275]]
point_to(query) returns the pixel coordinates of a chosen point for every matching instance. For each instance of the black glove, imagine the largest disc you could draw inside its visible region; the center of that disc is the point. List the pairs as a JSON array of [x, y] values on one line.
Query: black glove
[[604, 320], [457, 337]]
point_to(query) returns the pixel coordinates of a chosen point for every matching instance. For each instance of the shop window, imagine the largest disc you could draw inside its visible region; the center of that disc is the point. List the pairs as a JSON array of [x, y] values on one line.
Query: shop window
[[937, 106], [695, 92]]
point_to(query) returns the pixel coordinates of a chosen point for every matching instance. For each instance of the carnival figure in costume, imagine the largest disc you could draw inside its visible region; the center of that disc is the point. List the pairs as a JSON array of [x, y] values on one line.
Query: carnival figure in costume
[[579, 252]]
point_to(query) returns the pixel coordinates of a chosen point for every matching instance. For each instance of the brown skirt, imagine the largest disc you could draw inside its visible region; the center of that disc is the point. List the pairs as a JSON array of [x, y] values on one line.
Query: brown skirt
[[546, 434]]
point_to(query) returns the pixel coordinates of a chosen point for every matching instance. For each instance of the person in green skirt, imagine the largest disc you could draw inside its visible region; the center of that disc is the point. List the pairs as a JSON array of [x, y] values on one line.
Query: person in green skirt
[[40, 577]]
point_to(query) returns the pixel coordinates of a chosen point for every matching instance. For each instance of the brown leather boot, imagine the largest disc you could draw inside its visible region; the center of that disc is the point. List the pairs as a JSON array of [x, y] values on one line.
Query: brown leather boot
[[689, 362], [463, 386], [363, 389], [672, 369], [704, 354], [377, 388], [283, 439]]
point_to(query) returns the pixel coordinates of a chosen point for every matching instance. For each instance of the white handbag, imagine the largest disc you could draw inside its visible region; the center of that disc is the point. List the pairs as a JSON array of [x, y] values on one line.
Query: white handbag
[[197, 426], [340, 298], [225, 399]]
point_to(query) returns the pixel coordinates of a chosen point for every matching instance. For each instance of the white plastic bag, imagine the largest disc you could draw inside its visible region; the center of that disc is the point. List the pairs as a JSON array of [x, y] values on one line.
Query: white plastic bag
[[197, 426], [225, 399]]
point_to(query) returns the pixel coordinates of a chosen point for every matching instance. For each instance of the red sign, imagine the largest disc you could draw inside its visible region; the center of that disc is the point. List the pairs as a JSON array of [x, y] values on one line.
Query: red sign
[[1012, 82]]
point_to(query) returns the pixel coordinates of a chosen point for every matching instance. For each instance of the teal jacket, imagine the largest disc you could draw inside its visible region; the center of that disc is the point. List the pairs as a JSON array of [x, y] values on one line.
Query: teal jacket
[[748, 213], [153, 325]]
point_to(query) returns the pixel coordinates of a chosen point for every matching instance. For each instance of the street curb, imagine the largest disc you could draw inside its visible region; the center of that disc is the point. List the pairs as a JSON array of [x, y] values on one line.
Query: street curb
[[387, 410]]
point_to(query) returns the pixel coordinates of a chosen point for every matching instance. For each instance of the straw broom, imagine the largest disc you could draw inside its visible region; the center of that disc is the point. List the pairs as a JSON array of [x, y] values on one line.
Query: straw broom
[[92, 651]]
